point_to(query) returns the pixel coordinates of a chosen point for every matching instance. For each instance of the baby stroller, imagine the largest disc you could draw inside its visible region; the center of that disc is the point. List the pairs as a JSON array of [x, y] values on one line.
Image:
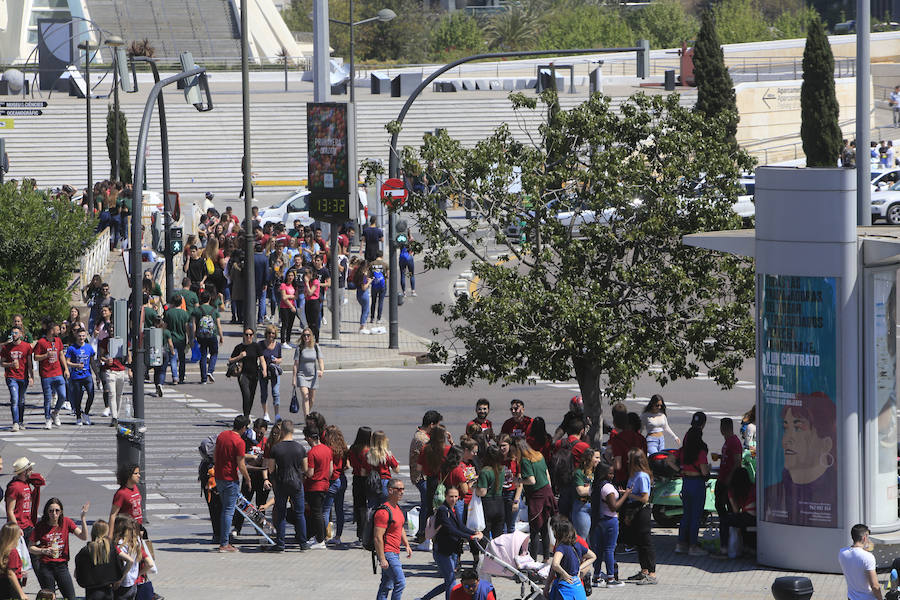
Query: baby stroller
[[507, 556]]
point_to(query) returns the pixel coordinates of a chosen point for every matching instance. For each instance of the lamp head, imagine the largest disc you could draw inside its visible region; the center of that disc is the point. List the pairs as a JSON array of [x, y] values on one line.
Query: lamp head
[[386, 14], [115, 41]]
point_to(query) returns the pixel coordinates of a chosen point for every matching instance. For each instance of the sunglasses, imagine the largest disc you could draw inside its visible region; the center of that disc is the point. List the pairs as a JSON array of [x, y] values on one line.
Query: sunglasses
[[248, 335]]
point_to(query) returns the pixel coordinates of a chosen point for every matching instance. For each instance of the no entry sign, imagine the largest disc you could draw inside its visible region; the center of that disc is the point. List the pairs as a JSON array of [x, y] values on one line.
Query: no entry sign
[[394, 193]]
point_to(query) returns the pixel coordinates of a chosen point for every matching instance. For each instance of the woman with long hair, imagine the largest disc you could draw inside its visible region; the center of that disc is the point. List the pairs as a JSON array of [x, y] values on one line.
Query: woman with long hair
[[636, 513], [655, 425], [430, 459], [287, 305], [451, 532], [360, 470], [512, 485], [11, 575], [539, 439], [605, 504], [539, 495], [98, 566], [582, 481], [309, 366], [570, 565], [489, 487], [337, 487], [362, 281], [129, 547], [50, 543], [694, 463], [270, 348], [312, 290], [748, 429], [380, 459]]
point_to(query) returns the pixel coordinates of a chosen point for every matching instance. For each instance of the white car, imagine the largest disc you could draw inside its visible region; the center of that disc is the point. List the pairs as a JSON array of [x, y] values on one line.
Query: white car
[[886, 205], [295, 207], [884, 179]]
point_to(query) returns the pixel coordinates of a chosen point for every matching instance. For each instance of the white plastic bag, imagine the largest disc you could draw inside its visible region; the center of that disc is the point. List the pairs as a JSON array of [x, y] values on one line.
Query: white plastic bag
[[22, 549], [412, 521], [475, 518]]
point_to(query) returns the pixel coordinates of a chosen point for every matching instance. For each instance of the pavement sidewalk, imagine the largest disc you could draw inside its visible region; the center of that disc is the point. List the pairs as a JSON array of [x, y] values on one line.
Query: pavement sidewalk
[[352, 350]]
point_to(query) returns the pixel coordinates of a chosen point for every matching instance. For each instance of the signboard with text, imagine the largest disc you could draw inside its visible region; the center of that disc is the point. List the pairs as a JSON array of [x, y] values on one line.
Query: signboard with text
[[328, 161], [798, 398]]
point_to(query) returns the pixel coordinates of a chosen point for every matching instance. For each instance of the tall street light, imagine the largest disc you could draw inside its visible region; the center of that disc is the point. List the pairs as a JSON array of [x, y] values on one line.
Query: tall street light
[[88, 47], [384, 15], [115, 42]]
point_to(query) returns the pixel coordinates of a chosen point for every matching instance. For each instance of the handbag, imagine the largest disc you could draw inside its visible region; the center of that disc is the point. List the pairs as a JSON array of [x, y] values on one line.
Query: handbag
[[295, 404], [24, 554], [431, 527], [235, 369]]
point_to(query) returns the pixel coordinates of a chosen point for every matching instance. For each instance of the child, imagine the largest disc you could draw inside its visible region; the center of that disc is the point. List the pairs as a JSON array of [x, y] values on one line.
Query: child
[[571, 562]]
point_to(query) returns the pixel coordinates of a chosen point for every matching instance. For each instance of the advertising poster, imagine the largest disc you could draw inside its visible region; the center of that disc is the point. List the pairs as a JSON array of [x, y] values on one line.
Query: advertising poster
[[884, 313], [798, 381], [327, 149]]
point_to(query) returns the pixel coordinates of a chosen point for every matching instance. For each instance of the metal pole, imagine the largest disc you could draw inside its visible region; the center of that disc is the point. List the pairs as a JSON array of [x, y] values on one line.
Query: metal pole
[[115, 161], [250, 311], [863, 118], [394, 160], [137, 349], [321, 74], [90, 154], [352, 58]]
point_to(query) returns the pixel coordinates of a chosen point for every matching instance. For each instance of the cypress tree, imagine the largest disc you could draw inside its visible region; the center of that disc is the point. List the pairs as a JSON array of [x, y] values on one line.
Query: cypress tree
[[819, 108], [715, 89]]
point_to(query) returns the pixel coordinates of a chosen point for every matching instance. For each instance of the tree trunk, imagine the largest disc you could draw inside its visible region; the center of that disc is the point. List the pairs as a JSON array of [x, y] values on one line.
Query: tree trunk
[[588, 375]]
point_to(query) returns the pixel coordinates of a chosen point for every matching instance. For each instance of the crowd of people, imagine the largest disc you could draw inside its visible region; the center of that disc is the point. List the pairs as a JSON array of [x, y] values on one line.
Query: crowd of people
[[114, 565], [595, 499]]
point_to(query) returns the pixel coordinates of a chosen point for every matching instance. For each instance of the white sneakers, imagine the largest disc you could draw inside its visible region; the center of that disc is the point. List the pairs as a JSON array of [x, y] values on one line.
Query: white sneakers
[[56, 420], [106, 412], [318, 546], [48, 424], [15, 427]]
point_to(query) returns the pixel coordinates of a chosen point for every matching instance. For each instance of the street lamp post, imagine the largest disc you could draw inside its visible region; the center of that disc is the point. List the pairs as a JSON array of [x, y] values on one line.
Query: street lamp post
[[250, 299], [88, 48], [114, 42], [384, 15]]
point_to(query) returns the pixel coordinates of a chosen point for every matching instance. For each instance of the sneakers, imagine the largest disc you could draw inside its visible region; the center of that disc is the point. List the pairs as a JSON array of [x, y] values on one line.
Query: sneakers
[[286, 346], [318, 546], [210, 378], [648, 580], [266, 418], [424, 546], [56, 420], [697, 551], [158, 395], [324, 321], [614, 583], [15, 427], [67, 405], [79, 422], [272, 548], [413, 293], [87, 419], [365, 332], [681, 548], [106, 410], [598, 583], [48, 424], [335, 541], [637, 577], [228, 548]]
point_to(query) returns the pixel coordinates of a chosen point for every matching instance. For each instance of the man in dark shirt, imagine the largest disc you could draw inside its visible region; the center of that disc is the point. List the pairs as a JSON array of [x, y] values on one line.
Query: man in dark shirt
[[196, 266], [371, 237], [290, 466], [261, 275]]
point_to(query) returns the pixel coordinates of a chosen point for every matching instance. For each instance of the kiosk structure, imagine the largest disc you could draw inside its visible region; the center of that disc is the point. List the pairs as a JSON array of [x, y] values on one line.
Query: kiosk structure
[[826, 363]]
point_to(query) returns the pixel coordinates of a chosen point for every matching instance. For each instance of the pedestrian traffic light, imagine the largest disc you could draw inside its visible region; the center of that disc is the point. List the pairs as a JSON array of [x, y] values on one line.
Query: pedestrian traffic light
[[159, 235], [400, 232], [176, 240]]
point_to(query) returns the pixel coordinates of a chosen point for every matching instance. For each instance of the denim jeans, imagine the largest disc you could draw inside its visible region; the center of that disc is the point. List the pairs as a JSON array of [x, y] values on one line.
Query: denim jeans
[[408, 264], [509, 514], [261, 303], [208, 346], [363, 298], [373, 501], [17, 389], [279, 515], [446, 566], [53, 574], [693, 497], [581, 518], [655, 444], [79, 387], [264, 384], [49, 385], [179, 350], [392, 578], [228, 493], [377, 297], [335, 498], [604, 535]]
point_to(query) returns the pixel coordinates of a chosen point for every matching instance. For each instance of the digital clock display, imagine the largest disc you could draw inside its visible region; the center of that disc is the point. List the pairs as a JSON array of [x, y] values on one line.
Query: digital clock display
[[330, 210]]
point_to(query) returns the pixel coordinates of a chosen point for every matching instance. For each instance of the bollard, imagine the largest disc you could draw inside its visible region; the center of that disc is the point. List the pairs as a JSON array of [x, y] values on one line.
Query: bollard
[[792, 588]]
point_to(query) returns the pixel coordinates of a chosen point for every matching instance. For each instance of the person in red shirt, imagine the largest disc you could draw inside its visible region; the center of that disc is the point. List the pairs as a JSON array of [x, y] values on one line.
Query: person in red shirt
[[49, 541], [732, 451], [52, 367], [19, 496], [127, 499], [381, 459], [470, 588], [11, 575], [519, 425], [482, 410], [318, 474], [15, 358], [229, 466], [621, 443], [360, 469], [390, 535], [333, 437]]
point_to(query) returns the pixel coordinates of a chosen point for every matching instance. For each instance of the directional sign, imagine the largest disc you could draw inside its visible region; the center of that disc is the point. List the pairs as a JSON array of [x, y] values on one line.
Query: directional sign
[[22, 104], [20, 113], [394, 193], [7, 124]]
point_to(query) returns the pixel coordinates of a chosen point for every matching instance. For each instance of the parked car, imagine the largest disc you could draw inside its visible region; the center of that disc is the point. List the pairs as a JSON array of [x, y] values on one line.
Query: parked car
[[884, 179], [295, 206], [886, 205]]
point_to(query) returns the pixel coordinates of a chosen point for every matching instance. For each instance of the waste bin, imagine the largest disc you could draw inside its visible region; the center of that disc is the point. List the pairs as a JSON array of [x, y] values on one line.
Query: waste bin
[[792, 588], [128, 442], [670, 80]]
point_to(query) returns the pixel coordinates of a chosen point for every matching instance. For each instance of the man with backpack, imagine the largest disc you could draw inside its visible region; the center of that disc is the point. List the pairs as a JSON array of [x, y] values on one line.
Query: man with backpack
[[208, 330], [177, 321], [290, 466], [379, 287], [388, 536], [567, 454]]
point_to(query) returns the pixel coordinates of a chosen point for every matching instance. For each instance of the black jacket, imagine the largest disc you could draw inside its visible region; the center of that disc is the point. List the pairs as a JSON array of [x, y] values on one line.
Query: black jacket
[[91, 576], [451, 533]]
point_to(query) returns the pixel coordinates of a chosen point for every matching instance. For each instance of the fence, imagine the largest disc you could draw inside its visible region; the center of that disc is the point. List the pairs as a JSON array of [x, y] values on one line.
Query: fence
[[94, 261]]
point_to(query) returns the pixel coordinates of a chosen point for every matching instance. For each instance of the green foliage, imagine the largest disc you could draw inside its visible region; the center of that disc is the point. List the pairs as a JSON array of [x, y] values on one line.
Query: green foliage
[[41, 241], [586, 26], [793, 24], [819, 108], [608, 298], [740, 21], [664, 23], [513, 29], [715, 89], [456, 35], [124, 154]]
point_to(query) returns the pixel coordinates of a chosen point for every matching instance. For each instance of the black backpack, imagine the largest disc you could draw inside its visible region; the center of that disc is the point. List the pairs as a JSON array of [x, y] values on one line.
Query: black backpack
[[368, 534], [562, 466], [373, 484]]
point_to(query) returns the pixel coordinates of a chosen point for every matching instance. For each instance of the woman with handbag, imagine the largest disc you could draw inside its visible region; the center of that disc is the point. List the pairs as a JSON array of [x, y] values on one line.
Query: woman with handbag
[[635, 516], [309, 366], [270, 348], [451, 532], [247, 363]]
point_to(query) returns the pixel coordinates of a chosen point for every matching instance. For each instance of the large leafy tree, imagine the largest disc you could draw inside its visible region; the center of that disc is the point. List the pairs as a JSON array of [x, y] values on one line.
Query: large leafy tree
[[41, 241], [608, 290], [587, 26], [456, 34], [819, 128], [665, 23], [715, 89], [740, 21], [124, 162]]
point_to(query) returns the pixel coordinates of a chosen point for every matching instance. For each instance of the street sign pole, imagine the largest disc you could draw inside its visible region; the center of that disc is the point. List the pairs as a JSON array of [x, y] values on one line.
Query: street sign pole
[[388, 190]]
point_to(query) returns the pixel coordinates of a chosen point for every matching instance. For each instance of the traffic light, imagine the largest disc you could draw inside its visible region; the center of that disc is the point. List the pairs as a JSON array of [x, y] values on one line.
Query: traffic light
[[158, 228], [176, 240], [400, 232]]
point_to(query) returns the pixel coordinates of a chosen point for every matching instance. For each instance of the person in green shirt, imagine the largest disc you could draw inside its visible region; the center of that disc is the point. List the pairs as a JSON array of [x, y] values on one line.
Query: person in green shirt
[[159, 373], [489, 488], [178, 321], [191, 301], [541, 503], [18, 323], [208, 330], [583, 479]]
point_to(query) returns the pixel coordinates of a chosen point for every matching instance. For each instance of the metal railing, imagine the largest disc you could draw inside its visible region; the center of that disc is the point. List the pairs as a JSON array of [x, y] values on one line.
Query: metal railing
[[94, 261]]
